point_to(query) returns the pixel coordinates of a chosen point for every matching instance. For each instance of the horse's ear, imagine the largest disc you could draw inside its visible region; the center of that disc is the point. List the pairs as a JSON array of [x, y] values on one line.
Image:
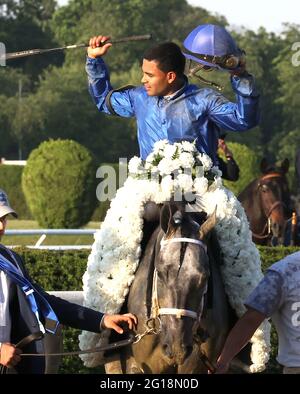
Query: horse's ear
[[208, 225], [264, 165], [166, 217], [285, 166]]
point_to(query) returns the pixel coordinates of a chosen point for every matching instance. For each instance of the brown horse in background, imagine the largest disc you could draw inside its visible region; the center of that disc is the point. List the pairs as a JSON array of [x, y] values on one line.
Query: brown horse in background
[[266, 201]]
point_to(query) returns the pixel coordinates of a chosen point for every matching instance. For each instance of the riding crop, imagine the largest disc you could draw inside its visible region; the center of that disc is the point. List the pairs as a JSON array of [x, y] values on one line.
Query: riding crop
[[31, 52]]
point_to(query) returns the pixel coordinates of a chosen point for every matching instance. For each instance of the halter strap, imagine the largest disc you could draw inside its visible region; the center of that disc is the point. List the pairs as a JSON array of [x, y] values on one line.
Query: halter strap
[[156, 310], [178, 312], [270, 176]]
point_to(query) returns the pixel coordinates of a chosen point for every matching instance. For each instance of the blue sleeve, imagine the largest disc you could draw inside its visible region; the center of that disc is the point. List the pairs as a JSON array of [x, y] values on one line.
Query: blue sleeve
[[239, 116], [268, 296], [100, 87]]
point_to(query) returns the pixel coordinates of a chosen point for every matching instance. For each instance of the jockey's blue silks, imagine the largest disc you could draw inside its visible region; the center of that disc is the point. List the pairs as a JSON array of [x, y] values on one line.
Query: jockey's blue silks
[[192, 114], [38, 304]]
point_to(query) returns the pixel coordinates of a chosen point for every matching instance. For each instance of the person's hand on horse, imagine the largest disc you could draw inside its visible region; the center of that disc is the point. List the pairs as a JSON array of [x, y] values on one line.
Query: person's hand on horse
[[116, 321], [9, 355], [97, 48]]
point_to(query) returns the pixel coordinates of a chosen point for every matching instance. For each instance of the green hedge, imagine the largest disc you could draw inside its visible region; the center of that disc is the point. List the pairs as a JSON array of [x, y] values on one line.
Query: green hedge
[[10, 182], [59, 183], [63, 270]]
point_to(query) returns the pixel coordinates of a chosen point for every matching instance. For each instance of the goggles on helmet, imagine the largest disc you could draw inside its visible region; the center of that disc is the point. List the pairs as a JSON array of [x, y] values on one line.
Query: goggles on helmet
[[226, 62]]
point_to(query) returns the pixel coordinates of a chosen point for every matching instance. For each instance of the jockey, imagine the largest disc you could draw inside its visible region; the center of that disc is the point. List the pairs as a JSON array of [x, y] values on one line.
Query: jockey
[[167, 106]]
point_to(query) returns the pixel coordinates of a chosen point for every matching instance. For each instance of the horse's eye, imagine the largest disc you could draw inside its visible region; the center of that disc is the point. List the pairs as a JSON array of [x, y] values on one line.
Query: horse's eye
[[264, 188]]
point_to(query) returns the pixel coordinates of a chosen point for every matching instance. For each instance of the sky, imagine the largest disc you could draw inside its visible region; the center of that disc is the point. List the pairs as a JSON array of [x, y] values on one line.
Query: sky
[[255, 13], [251, 14]]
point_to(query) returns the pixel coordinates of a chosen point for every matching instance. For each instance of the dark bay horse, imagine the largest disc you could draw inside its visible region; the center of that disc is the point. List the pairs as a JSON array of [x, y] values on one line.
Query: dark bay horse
[[178, 297], [266, 201]]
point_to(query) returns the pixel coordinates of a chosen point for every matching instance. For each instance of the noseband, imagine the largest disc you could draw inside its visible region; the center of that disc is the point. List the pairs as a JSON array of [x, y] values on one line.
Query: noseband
[[155, 309]]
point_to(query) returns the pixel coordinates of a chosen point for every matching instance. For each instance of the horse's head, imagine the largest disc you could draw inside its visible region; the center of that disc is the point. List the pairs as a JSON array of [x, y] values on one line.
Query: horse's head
[[274, 197], [180, 278]]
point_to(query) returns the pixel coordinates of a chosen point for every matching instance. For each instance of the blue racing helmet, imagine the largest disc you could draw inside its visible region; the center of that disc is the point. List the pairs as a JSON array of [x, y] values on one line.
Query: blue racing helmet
[[212, 46]]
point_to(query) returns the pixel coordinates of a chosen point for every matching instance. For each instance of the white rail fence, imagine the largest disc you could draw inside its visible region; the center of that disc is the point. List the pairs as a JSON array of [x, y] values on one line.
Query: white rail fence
[[43, 234], [13, 162], [72, 296]]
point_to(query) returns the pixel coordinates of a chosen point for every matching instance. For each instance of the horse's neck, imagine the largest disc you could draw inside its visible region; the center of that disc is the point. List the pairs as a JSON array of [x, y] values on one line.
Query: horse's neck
[[216, 318], [139, 300], [252, 204]]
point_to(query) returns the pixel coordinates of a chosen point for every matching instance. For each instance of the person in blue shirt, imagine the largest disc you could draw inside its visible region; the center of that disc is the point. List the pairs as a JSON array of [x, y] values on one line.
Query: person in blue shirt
[[166, 105]]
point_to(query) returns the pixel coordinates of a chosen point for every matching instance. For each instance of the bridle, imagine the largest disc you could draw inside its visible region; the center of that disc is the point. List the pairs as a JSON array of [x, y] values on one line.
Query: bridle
[[156, 311], [276, 204]]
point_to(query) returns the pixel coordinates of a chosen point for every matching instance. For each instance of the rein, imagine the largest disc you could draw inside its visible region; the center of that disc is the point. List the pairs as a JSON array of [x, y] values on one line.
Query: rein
[[39, 335]]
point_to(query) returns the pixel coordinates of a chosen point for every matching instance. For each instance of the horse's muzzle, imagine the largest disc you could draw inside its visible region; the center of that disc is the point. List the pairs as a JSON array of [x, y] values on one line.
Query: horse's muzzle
[[176, 354]]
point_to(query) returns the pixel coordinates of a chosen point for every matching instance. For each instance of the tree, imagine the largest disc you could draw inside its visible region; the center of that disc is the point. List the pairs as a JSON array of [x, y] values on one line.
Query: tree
[[287, 67], [24, 24], [262, 49], [287, 148]]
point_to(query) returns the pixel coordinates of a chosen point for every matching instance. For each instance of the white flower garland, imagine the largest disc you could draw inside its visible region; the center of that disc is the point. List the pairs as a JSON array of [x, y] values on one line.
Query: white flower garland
[[115, 253]]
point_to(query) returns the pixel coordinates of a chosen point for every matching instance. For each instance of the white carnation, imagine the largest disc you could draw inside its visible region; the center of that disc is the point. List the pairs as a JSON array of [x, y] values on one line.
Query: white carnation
[[186, 160], [135, 165], [160, 146], [205, 160], [184, 182], [188, 146], [167, 184], [200, 185], [170, 151]]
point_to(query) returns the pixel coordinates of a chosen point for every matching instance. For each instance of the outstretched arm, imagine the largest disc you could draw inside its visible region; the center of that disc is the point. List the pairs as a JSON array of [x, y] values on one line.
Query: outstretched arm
[[263, 302], [238, 337]]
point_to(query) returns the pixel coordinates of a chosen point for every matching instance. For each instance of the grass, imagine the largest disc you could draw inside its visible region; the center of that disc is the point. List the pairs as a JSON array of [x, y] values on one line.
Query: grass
[[23, 240]]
